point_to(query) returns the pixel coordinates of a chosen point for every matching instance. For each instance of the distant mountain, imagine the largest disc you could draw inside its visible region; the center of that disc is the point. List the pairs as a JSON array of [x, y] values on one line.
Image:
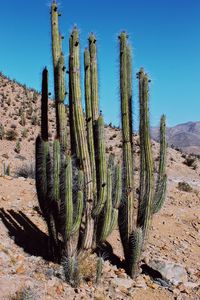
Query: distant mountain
[[184, 136]]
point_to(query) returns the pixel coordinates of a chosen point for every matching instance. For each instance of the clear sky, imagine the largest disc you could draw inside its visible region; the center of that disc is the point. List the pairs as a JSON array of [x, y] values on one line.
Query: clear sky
[[165, 35]]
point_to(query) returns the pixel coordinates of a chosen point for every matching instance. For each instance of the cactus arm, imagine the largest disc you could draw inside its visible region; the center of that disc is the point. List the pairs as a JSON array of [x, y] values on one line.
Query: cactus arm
[[135, 247], [126, 221], [113, 221], [56, 170], [79, 203], [124, 90], [126, 209], [68, 198], [101, 166], [129, 88], [108, 208], [59, 76], [44, 106], [73, 132], [88, 106], [118, 186], [140, 76], [160, 194], [94, 77], [60, 88], [41, 175], [60, 97], [161, 184], [56, 46], [145, 206]]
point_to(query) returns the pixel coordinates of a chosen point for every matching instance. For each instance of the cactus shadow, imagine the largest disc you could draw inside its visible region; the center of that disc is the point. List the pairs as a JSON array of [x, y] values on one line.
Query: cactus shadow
[[105, 250], [25, 233]]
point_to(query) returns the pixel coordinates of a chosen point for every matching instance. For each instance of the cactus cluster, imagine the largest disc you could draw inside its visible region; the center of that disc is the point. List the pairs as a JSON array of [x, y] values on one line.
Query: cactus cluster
[[84, 195]]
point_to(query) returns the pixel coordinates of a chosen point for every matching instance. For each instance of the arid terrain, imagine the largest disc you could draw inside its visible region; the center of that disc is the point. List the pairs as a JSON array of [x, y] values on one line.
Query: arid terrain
[[25, 272]]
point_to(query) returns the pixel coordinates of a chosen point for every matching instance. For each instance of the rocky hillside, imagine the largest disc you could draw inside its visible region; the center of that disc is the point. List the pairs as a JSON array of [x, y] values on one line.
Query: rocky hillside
[[170, 268], [183, 136]]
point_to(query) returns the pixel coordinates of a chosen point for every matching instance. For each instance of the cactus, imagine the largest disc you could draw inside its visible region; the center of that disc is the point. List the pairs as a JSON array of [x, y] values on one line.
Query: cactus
[[99, 269], [89, 123], [126, 209], [109, 215], [2, 131], [135, 248], [44, 106], [81, 194], [81, 137], [161, 183], [18, 147], [73, 132], [134, 234], [44, 181], [23, 119], [101, 166], [146, 200]]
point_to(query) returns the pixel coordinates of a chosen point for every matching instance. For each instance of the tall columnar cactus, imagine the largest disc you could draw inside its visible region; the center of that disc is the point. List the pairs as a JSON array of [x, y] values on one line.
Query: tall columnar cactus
[[73, 132], [126, 222], [61, 206], [146, 200], [59, 76], [89, 123], [134, 234], [79, 122]]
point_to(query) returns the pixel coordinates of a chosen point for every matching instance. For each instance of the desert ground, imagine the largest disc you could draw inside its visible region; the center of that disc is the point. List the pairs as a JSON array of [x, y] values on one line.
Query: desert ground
[[26, 273]]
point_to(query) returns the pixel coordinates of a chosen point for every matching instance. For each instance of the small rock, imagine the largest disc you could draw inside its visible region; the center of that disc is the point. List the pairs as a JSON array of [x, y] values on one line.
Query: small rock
[[123, 290], [153, 286], [8, 177], [21, 178], [169, 271], [191, 285], [122, 282], [176, 292], [49, 273], [146, 260], [140, 283], [20, 270]]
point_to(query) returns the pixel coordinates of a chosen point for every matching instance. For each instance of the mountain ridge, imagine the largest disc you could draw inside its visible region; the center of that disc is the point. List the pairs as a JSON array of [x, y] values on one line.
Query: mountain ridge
[[185, 136]]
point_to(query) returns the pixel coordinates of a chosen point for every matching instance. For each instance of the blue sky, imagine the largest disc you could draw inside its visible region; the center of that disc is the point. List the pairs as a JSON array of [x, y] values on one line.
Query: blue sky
[[165, 35]]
